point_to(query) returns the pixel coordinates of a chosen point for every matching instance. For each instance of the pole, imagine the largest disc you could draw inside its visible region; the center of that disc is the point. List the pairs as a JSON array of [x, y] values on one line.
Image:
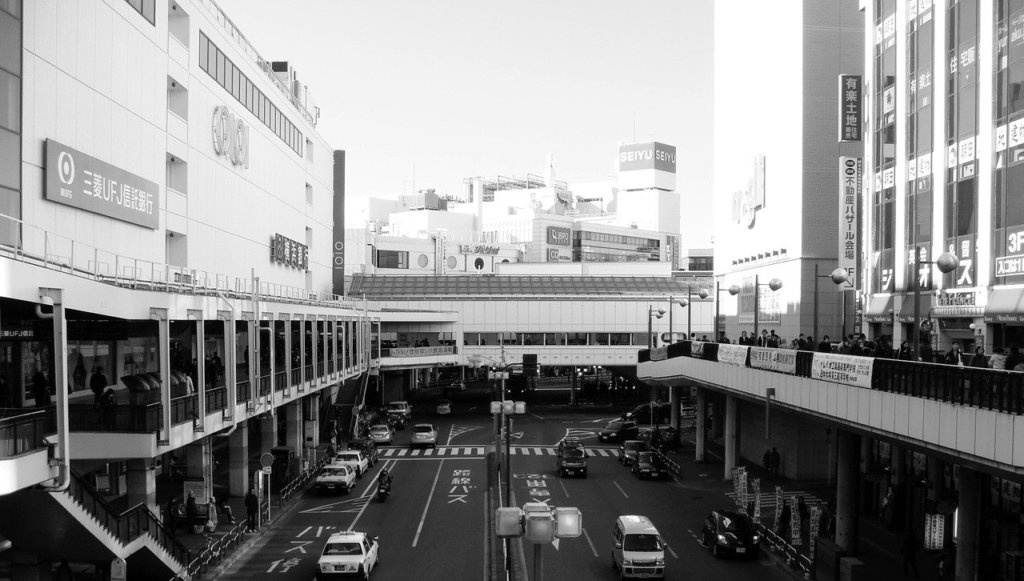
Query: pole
[[757, 306], [916, 331], [718, 294], [671, 337], [844, 313], [538, 562], [650, 329], [689, 309], [816, 337], [508, 462]]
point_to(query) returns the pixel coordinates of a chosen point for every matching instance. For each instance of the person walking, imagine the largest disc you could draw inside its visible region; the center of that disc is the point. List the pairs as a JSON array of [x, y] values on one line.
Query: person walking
[[171, 518], [782, 526], [911, 545], [252, 507], [997, 360], [979, 359], [955, 356], [40, 388], [767, 460], [98, 383], [190, 512], [776, 460]]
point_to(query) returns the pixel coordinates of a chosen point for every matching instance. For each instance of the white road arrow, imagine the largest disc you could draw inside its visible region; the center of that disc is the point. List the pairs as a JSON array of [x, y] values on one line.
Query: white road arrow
[[344, 506], [554, 542]]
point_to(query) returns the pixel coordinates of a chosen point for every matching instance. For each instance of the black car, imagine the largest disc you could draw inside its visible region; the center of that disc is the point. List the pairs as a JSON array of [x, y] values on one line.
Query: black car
[[642, 413], [730, 533], [629, 450], [619, 430], [649, 465]]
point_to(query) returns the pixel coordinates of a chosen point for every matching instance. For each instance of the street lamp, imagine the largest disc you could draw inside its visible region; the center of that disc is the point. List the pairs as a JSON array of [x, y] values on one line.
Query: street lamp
[[947, 263], [774, 284], [702, 293], [650, 330], [838, 276], [718, 292]]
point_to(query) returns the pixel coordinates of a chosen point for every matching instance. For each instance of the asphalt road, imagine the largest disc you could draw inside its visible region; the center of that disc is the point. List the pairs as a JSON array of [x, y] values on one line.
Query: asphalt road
[[433, 526]]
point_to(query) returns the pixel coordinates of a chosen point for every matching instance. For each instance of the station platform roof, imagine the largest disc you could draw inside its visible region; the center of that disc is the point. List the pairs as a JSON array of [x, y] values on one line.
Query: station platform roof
[[416, 287]]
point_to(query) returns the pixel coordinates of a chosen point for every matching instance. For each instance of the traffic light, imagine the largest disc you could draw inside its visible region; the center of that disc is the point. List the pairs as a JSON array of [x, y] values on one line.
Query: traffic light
[[568, 522], [530, 366], [509, 522]]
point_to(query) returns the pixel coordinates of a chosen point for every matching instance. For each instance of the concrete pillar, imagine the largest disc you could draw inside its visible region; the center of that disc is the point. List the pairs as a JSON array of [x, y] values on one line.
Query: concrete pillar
[[847, 478], [288, 362], [199, 464], [673, 398], [718, 421], [968, 525], [408, 383], [164, 350], [702, 442], [730, 436], [141, 480], [311, 438], [268, 431], [201, 368], [293, 426], [935, 478], [302, 356], [238, 460]]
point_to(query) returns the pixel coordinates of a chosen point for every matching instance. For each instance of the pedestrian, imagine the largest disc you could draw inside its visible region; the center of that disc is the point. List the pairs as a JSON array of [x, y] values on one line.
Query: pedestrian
[[805, 519], [171, 518], [782, 526], [108, 409], [98, 383], [225, 509], [40, 388], [767, 460], [762, 341], [904, 353], [927, 354], [954, 356], [979, 359], [774, 340], [211, 520], [911, 545], [997, 360], [776, 460], [252, 507], [190, 511], [825, 346], [78, 375], [845, 348], [1014, 358], [744, 340], [887, 507]]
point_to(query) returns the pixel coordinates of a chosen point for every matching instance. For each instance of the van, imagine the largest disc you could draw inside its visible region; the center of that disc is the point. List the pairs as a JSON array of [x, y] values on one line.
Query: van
[[638, 551]]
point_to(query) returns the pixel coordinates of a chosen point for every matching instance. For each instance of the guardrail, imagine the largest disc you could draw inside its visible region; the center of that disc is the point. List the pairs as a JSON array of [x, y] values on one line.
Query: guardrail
[[22, 430], [794, 558], [213, 553], [289, 490]]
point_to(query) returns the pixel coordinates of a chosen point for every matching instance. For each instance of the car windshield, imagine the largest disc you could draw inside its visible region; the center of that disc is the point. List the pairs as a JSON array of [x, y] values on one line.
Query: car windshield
[[348, 456], [379, 428], [423, 429], [614, 426], [736, 525], [333, 472], [645, 457], [343, 549], [642, 543], [396, 407], [573, 453], [634, 445]]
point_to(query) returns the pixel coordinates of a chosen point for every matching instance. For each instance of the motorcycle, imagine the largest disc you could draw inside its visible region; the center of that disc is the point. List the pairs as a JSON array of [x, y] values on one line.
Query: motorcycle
[[383, 490]]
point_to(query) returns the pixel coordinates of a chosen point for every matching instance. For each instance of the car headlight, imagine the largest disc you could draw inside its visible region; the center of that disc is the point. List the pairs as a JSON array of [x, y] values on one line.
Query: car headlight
[[627, 562], [756, 538], [660, 561], [722, 540]]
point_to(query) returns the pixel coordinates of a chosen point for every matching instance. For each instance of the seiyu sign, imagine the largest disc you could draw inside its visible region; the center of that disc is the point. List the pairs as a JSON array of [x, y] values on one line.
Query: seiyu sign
[[82, 181], [653, 155], [230, 137]]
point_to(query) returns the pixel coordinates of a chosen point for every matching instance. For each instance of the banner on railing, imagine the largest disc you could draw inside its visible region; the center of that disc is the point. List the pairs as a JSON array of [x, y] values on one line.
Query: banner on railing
[[795, 537], [846, 369], [733, 354], [659, 354], [697, 349], [815, 520], [756, 485], [421, 351], [781, 360], [778, 507]]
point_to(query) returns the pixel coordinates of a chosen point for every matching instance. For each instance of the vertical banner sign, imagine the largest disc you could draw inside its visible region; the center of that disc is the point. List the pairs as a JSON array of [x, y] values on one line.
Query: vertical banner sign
[[742, 474], [851, 171], [778, 507], [338, 232], [815, 518], [795, 538], [756, 485], [849, 108]]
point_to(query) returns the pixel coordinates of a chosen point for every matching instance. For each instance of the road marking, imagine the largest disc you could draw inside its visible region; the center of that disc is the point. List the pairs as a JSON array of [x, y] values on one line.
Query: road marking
[[620, 489], [390, 467], [669, 547], [403, 452], [538, 452], [564, 489], [426, 507], [535, 415], [591, 543], [344, 506]]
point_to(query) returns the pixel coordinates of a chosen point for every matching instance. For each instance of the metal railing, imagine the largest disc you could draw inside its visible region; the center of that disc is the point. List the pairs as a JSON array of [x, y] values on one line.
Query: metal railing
[[295, 485], [122, 418], [265, 384], [296, 375], [183, 409], [22, 430], [280, 380], [214, 551], [216, 399], [794, 558], [243, 393]]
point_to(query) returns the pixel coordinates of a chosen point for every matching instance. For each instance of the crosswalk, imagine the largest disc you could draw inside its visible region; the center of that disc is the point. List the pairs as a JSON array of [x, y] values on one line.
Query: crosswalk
[[479, 451]]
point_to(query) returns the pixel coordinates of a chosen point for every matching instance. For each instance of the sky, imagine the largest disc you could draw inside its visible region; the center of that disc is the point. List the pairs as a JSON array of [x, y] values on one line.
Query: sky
[[422, 94]]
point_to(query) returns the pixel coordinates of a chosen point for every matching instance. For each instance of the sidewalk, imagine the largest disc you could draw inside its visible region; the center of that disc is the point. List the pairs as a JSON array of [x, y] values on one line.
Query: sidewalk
[[878, 548]]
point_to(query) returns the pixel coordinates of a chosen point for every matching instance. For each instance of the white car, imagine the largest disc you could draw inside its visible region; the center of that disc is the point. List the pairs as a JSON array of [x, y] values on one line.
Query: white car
[[424, 435], [347, 555], [444, 407], [354, 459], [335, 478], [381, 433]]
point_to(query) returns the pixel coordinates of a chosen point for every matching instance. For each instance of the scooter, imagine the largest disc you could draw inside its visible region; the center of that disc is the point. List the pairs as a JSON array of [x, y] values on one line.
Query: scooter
[[383, 490]]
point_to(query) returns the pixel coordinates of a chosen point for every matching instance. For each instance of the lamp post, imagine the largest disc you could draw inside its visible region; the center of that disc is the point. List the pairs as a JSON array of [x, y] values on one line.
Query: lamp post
[[687, 302], [774, 284], [718, 292], [650, 327], [947, 263], [838, 276]]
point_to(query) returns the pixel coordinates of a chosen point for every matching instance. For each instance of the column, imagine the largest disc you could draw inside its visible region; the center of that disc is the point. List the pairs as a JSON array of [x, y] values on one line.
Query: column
[[312, 439], [718, 421], [408, 383], [898, 481], [200, 324], [268, 431], [231, 365], [199, 464], [847, 476], [163, 350], [288, 361], [702, 411], [293, 426], [238, 460], [968, 525], [302, 355], [141, 480], [730, 436], [673, 398], [936, 478]]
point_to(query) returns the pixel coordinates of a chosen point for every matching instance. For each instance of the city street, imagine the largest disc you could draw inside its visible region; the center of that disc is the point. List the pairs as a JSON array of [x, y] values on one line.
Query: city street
[[433, 526]]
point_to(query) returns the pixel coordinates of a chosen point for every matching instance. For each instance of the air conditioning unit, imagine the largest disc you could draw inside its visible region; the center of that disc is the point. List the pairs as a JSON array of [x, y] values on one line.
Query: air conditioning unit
[[250, 406]]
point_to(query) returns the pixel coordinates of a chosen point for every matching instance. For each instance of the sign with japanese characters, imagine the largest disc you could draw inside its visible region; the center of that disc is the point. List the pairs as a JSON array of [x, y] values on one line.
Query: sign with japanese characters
[[934, 531], [845, 369], [733, 354], [781, 360], [289, 252], [1011, 261], [851, 176], [849, 108], [84, 182]]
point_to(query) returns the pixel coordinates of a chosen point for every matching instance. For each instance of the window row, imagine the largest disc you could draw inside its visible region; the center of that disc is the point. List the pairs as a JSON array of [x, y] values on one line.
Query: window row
[[618, 239], [147, 8], [234, 81]]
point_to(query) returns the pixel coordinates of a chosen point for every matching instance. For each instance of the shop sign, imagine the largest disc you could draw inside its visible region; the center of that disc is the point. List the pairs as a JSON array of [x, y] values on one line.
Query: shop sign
[[963, 248], [553, 255], [288, 252], [781, 360], [642, 156], [26, 333], [733, 354], [84, 182], [1011, 491], [559, 235], [956, 299], [851, 175], [478, 249], [845, 369], [230, 137], [1011, 263], [934, 531], [849, 108]]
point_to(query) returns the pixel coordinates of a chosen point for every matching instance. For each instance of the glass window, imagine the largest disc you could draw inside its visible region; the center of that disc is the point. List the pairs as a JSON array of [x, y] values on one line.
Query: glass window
[[222, 68], [10, 101], [10, 160], [12, 6], [556, 339], [149, 10], [204, 53], [10, 43]]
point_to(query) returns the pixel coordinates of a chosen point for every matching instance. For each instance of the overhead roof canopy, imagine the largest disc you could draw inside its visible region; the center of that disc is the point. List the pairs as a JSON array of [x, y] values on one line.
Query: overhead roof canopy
[[380, 287]]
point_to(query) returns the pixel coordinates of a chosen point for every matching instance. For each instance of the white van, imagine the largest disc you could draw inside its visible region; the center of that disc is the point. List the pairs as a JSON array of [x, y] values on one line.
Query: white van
[[638, 551]]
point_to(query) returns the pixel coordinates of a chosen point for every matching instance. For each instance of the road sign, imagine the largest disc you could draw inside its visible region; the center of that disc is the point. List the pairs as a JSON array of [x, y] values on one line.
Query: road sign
[[267, 469], [267, 460]]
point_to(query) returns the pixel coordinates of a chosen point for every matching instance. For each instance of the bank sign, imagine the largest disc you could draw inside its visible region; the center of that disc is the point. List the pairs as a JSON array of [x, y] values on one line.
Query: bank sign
[[653, 155], [84, 182]]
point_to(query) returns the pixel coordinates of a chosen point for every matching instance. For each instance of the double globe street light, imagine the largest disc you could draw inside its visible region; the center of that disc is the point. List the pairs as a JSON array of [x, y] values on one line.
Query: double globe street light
[[651, 313], [774, 284], [684, 302]]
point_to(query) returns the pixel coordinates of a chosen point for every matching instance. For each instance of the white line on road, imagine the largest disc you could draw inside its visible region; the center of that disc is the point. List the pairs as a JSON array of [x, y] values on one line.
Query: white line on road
[[669, 547], [564, 489], [426, 507], [535, 415], [620, 489], [390, 465], [591, 543]]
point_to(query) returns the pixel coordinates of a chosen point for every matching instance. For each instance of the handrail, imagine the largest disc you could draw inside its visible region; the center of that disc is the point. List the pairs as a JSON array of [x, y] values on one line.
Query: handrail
[[289, 490], [128, 525], [22, 430], [794, 558]]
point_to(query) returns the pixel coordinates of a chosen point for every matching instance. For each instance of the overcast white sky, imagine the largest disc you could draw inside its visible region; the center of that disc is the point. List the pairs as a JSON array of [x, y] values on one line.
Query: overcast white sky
[[422, 94]]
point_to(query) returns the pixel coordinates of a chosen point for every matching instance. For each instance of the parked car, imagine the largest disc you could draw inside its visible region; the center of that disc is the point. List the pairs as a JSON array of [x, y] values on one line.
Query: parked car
[[727, 532], [354, 459], [444, 407], [381, 433], [335, 478], [629, 450], [458, 385], [649, 465], [400, 408], [641, 413], [618, 430], [348, 554], [367, 446], [423, 435]]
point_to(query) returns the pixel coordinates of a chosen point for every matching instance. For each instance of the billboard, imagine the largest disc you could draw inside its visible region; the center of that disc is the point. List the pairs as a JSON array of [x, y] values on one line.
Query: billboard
[[559, 236], [851, 177], [653, 155], [850, 108], [84, 182]]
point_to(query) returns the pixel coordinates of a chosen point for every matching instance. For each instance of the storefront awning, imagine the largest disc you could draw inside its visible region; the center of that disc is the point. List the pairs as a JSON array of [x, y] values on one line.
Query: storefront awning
[[907, 307], [1005, 305], [878, 309]]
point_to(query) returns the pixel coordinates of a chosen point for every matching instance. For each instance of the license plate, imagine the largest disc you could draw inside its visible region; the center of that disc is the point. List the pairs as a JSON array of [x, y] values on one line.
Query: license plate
[[570, 472], [740, 550]]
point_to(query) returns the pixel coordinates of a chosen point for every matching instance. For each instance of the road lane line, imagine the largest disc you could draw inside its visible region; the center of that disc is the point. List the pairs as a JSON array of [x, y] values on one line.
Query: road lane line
[[562, 484], [669, 547], [426, 507], [620, 489], [591, 543], [402, 452], [352, 525], [535, 415], [304, 531]]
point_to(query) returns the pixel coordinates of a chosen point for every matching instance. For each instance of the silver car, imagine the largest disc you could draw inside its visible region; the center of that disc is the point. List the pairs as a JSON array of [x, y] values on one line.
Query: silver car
[[381, 434], [423, 435]]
